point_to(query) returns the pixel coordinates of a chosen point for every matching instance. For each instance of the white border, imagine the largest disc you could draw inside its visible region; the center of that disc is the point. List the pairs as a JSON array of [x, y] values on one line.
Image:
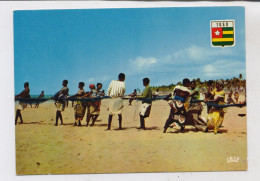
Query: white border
[[7, 166]]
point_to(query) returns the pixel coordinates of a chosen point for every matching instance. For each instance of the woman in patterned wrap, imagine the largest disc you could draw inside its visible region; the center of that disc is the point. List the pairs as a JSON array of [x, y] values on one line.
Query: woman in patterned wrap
[[216, 114], [94, 107], [80, 107]]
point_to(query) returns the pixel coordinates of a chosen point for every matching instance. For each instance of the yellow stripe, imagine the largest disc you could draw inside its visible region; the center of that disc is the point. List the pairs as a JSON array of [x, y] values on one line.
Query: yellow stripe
[[222, 39], [228, 32]]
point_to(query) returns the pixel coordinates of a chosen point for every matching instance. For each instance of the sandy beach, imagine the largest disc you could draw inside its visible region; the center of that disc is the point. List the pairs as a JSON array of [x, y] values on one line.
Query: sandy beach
[[42, 148]]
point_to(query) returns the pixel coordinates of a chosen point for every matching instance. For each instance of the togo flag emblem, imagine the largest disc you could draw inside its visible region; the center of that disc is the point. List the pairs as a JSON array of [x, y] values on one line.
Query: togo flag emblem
[[222, 33]]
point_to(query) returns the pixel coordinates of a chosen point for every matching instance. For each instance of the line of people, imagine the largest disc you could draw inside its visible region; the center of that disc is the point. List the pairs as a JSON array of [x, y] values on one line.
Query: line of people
[[93, 108], [186, 107], [185, 104], [116, 91]]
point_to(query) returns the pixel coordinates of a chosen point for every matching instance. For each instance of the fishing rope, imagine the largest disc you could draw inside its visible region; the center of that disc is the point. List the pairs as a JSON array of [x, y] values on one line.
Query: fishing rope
[[97, 99]]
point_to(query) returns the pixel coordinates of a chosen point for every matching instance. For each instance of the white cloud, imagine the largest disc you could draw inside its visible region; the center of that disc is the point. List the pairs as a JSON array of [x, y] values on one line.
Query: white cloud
[[200, 54], [91, 80], [195, 52], [224, 68], [208, 68], [187, 54], [104, 78], [193, 61], [141, 63]]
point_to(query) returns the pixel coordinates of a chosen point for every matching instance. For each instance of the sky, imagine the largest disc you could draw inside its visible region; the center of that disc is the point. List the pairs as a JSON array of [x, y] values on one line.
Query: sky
[[95, 45]]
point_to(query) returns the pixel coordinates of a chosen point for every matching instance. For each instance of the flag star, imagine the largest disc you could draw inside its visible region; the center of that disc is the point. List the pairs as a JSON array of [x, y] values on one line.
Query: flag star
[[217, 33]]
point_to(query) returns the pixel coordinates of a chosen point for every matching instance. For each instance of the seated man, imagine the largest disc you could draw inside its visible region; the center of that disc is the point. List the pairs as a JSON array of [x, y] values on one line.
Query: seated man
[[178, 112]]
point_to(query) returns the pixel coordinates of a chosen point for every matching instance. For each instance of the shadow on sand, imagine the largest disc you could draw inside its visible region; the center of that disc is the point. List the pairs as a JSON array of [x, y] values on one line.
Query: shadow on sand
[[67, 124], [40, 123], [186, 130]]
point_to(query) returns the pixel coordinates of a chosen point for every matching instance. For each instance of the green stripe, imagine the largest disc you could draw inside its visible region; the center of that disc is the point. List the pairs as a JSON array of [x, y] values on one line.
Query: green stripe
[[223, 43], [228, 36], [227, 28]]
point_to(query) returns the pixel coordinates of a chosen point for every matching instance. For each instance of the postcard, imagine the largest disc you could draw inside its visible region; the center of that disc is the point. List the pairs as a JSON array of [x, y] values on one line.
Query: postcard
[[130, 90]]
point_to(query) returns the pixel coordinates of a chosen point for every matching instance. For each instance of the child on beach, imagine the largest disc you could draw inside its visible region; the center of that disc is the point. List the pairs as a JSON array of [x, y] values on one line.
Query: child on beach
[[24, 94], [59, 102], [40, 96], [146, 103], [132, 96], [116, 91]]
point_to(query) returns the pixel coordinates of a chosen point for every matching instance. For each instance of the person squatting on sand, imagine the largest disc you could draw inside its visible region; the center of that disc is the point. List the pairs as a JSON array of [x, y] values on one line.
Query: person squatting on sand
[[216, 114], [80, 107], [24, 94], [178, 112], [60, 102], [193, 115], [116, 91], [146, 103], [94, 107], [132, 96]]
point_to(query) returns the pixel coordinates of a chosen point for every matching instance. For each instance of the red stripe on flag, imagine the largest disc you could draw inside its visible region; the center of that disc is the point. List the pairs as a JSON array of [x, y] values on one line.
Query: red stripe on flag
[[217, 32]]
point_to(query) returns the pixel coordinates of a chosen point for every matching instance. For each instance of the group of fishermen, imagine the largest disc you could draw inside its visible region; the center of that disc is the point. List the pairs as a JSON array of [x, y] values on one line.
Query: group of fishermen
[[185, 104]]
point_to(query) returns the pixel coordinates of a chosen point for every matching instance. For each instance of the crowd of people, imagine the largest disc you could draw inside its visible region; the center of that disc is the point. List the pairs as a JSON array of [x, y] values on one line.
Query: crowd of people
[[184, 101]]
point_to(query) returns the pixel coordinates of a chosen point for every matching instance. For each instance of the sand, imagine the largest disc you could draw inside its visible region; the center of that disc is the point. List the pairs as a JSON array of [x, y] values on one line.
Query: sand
[[42, 148]]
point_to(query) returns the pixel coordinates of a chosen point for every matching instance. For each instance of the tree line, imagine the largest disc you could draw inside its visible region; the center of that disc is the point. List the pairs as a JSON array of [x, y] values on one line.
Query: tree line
[[234, 84]]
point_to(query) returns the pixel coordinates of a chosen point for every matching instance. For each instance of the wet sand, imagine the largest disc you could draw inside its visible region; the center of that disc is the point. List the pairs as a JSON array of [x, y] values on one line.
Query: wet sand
[[42, 148]]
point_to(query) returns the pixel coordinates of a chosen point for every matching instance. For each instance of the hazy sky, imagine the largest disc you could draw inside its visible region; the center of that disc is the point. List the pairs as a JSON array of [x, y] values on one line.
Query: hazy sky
[[164, 44]]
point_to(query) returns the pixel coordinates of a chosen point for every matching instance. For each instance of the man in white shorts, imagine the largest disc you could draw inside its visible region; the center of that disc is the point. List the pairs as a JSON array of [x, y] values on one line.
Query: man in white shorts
[[146, 103]]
